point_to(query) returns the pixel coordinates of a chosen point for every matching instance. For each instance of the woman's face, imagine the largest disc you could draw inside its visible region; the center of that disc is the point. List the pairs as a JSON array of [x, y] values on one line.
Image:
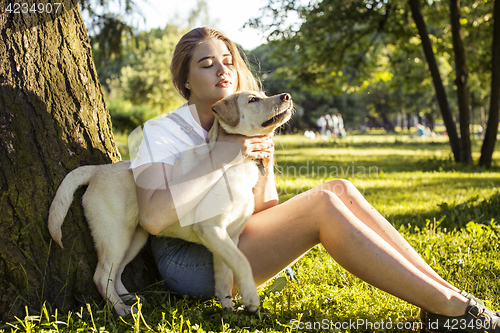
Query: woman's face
[[212, 75]]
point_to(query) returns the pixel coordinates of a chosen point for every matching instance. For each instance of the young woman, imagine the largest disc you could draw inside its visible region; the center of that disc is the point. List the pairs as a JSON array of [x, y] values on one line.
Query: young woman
[[206, 67]]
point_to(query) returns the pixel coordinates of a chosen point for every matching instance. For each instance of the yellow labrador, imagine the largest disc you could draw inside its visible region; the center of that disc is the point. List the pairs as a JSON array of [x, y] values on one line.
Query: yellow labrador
[[110, 205]]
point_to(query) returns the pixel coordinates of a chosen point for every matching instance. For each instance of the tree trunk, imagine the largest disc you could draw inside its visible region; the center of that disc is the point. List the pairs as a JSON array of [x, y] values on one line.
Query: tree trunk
[[472, 120], [461, 82], [388, 125], [429, 120], [483, 120], [490, 137], [436, 79], [53, 118]]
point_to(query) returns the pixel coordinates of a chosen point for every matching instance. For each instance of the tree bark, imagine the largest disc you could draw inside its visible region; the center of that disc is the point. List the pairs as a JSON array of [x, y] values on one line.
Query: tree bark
[[436, 79], [461, 82], [490, 136], [53, 118]]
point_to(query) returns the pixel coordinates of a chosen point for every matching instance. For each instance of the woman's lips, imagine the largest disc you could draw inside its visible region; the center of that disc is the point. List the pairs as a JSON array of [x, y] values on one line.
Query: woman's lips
[[224, 83]]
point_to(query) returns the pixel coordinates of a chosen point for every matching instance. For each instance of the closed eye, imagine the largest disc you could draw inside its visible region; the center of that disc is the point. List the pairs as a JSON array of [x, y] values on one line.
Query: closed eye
[[253, 99], [211, 65]]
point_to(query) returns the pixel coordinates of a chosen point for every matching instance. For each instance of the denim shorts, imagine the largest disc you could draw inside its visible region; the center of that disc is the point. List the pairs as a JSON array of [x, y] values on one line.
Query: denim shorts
[[186, 268]]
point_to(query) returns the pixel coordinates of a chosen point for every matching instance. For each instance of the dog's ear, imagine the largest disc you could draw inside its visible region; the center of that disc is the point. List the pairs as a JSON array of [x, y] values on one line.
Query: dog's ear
[[228, 110], [213, 134]]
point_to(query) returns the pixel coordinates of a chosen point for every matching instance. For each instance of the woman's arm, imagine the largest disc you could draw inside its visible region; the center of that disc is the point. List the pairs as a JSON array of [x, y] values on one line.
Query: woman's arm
[[154, 184], [266, 195], [162, 201]]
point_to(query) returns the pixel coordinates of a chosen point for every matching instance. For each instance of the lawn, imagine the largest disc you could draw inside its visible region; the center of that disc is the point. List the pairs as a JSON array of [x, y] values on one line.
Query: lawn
[[448, 212]]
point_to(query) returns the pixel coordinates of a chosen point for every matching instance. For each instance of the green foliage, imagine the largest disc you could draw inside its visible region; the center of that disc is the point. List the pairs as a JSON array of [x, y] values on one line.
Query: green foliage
[[468, 257], [140, 86], [134, 66], [127, 116], [349, 46], [135, 73], [144, 78], [449, 214], [271, 70], [113, 30]]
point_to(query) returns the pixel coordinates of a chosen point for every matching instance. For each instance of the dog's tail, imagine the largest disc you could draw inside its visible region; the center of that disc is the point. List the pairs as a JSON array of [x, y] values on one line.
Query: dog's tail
[[64, 196]]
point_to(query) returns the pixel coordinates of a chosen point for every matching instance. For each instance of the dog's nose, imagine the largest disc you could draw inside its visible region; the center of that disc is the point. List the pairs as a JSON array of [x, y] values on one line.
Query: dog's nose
[[286, 97]]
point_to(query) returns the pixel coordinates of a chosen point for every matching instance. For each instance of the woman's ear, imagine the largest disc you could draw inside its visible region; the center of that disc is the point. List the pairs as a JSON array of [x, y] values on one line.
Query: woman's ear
[[187, 85]]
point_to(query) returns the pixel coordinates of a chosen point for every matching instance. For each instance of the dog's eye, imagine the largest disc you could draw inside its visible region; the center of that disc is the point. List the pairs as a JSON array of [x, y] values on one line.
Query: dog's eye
[[253, 99]]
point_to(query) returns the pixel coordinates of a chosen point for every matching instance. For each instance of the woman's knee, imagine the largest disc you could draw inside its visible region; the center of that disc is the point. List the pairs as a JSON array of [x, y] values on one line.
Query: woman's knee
[[323, 200], [341, 187]]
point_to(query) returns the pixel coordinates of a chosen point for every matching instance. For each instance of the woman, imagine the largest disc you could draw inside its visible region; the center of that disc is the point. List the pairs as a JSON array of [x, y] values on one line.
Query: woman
[[206, 67]]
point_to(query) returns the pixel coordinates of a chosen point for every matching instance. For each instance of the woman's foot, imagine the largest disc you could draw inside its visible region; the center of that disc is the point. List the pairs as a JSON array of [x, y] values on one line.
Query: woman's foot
[[472, 297], [477, 300], [476, 319]]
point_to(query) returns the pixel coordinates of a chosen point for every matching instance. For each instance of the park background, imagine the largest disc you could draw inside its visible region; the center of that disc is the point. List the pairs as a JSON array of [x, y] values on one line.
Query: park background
[[363, 59]]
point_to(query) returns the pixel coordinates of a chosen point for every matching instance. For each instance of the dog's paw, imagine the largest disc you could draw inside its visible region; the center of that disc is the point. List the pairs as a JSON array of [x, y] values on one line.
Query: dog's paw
[[132, 297], [124, 310], [227, 303], [251, 303]]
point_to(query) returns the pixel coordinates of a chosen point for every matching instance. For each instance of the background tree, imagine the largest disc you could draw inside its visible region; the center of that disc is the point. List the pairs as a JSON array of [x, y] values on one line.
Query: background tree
[[441, 95], [461, 79], [341, 45], [109, 23], [494, 116], [53, 118]]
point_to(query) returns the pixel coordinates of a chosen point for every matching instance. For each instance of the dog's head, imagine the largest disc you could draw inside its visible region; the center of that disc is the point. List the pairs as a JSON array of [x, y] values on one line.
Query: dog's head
[[252, 113]]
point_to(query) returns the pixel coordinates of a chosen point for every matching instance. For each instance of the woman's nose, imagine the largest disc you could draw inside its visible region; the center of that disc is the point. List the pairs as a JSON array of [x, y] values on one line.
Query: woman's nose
[[222, 70]]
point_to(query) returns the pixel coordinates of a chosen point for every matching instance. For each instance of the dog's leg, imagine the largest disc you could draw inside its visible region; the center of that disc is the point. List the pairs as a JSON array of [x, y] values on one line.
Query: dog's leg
[[111, 252], [223, 282], [218, 241], [139, 238], [103, 279]]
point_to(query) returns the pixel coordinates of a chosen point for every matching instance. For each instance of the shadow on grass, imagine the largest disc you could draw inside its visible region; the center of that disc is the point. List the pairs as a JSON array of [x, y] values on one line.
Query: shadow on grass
[[482, 211], [344, 166], [282, 314], [402, 142], [387, 163]]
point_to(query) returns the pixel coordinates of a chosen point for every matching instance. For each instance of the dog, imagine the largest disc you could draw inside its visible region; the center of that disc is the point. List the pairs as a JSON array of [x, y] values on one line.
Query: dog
[[110, 205]]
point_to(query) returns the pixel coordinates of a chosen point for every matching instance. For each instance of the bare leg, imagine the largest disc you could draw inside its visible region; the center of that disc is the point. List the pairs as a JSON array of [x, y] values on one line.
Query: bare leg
[[358, 205], [275, 237]]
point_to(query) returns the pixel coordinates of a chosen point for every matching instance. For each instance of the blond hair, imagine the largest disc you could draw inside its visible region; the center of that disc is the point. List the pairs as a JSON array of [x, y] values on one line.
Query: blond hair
[[184, 52]]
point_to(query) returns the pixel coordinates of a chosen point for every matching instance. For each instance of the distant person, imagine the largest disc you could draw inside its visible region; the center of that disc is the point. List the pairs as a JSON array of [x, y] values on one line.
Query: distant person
[[342, 132], [310, 134], [321, 124], [335, 125], [421, 131], [430, 133], [329, 126], [480, 132]]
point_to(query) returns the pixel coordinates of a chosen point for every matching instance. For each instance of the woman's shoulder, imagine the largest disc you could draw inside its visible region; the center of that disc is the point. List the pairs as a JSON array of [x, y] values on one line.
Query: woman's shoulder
[[167, 120], [178, 126]]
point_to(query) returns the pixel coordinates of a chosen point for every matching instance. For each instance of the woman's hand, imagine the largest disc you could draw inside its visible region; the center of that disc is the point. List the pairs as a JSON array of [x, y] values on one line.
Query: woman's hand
[[258, 147]]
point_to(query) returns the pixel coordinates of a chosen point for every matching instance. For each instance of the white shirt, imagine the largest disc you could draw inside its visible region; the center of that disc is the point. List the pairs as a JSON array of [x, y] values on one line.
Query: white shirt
[[164, 140]]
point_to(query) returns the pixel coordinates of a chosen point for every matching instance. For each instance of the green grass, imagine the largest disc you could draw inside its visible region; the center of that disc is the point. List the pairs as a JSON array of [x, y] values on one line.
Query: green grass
[[448, 212]]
